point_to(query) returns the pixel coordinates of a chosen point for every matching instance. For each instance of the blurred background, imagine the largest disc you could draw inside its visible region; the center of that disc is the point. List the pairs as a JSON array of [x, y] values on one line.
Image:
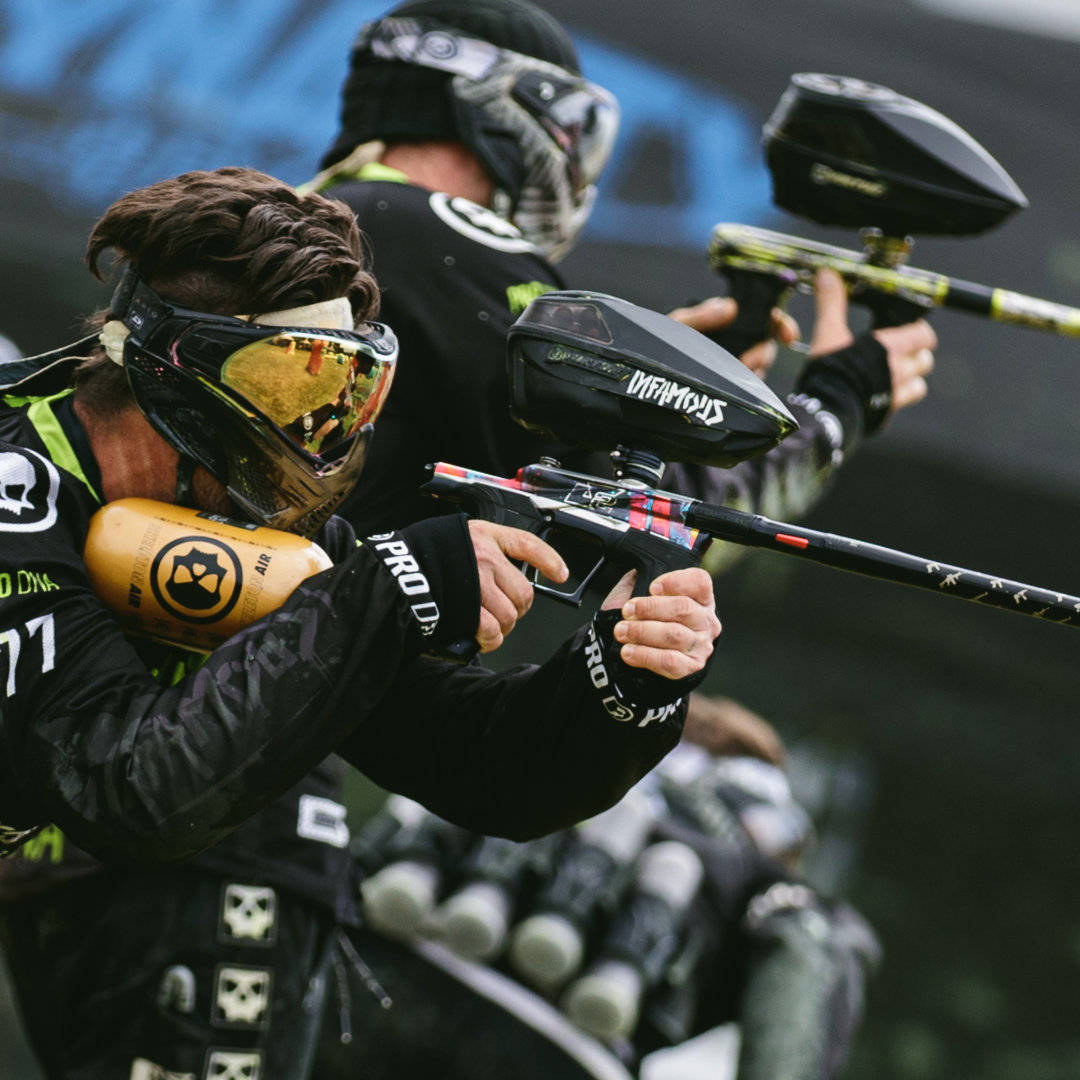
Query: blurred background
[[936, 742]]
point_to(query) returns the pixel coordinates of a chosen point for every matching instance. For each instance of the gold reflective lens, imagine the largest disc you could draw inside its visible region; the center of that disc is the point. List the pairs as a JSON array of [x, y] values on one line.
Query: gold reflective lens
[[318, 388]]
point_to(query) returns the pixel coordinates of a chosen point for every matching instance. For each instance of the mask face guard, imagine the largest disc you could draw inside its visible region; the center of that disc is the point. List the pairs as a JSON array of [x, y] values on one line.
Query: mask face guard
[[544, 133], [280, 415]]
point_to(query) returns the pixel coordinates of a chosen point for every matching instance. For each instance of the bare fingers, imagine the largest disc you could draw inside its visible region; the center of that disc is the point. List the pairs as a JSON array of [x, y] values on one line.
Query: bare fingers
[[505, 592], [708, 316], [910, 353], [671, 631]]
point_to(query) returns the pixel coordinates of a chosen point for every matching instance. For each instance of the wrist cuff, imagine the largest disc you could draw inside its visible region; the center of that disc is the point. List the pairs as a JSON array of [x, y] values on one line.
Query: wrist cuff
[[854, 383], [435, 569], [638, 692]]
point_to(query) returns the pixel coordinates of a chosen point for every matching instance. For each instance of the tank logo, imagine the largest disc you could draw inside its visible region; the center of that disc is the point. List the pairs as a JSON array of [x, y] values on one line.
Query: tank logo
[[197, 579], [29, 484], [826, 177]]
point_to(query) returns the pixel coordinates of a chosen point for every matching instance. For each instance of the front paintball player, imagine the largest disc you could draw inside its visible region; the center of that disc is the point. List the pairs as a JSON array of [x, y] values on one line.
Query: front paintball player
[[202, 389]]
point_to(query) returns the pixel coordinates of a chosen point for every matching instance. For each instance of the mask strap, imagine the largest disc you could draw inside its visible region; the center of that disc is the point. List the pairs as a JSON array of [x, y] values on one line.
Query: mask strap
[[125, 289]]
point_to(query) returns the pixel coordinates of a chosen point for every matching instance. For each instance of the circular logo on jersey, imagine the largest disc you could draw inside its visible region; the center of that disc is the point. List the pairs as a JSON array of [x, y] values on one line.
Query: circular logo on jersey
[[439, 45], [29, 484], [197, 579], [478, 223]]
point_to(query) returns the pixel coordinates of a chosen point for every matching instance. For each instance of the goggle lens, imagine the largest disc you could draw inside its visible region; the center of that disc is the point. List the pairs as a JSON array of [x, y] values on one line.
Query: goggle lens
[[320, 389], [589, 124]]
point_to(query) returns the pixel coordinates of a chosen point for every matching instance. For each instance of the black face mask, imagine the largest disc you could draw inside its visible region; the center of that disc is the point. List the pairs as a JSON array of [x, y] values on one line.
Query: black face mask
[[280, 415]]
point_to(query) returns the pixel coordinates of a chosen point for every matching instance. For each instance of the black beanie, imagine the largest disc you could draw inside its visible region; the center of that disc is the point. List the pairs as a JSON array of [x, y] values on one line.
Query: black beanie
[[395, 101]]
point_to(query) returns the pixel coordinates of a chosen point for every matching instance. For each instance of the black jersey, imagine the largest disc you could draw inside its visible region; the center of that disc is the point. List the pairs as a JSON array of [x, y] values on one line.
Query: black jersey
[[454, 276], [132, 767]]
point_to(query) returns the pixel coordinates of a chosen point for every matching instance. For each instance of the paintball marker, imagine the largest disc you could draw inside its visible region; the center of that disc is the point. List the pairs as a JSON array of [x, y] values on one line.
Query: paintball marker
[[853, 154], [596, 372]]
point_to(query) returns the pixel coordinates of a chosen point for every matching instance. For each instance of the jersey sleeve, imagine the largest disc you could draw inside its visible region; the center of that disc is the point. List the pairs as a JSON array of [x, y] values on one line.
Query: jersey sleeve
[[90, 741], [528, 751]]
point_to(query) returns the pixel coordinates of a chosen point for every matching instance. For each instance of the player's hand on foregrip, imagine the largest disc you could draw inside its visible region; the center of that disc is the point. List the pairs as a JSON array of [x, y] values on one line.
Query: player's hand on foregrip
[[909, 349], [671, 631], [505, 593]]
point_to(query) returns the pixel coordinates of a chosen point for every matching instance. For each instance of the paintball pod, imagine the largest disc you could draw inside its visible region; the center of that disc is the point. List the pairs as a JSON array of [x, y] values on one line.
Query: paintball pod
[[596, 372], [853, 154]]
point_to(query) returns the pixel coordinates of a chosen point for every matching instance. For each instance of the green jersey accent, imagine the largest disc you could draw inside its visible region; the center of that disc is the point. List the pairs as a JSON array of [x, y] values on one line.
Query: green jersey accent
[[373, 170], [49, 842], [52, 435], [519, 297]]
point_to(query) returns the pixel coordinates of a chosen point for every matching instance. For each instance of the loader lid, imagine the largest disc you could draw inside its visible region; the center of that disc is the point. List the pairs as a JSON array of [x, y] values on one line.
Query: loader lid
[[847, 152], [597, 371]]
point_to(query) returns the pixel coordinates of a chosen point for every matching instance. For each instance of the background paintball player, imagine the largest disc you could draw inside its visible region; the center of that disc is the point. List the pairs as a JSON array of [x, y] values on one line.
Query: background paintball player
[[133, 752], [468, 188], [470, 156]]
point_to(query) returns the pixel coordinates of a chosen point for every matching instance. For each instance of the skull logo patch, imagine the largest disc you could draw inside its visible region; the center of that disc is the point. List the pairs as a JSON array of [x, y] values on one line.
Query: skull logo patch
[[241, 996], [29, 484], [233, 1065], [248, 912]]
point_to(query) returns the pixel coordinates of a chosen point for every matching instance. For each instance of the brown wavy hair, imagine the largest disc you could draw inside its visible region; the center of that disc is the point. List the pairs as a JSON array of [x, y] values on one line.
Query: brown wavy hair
[[236, 241], [232, 241]]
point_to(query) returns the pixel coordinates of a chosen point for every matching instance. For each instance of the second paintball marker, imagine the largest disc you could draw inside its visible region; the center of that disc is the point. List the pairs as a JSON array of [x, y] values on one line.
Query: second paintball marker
[[853, 154], [598, 372]]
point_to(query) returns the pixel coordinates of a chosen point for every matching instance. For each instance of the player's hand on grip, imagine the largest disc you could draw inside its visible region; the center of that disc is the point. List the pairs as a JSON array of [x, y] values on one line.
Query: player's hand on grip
[[671, 631], [718, 312], [909, 348], [505, 593]]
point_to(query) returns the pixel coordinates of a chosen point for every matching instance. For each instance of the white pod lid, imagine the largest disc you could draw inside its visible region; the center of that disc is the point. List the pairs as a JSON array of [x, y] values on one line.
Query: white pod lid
[[621, 831], [546, 950], [606, 1001], [407, 811], [399, 898], [670, 870], [474, 921]]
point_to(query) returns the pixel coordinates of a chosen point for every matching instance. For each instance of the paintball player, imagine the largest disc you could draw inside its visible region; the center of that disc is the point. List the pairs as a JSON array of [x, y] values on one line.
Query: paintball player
[[138, 750], [469, 148]]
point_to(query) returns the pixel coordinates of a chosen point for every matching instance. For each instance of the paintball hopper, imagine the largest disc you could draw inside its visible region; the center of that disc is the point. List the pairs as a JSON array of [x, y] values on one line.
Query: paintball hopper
[[597, 372], [846, 152]]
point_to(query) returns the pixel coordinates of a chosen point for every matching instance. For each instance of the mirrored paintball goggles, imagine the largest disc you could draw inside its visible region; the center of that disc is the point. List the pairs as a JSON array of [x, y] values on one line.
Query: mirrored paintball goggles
[[281, 415]]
